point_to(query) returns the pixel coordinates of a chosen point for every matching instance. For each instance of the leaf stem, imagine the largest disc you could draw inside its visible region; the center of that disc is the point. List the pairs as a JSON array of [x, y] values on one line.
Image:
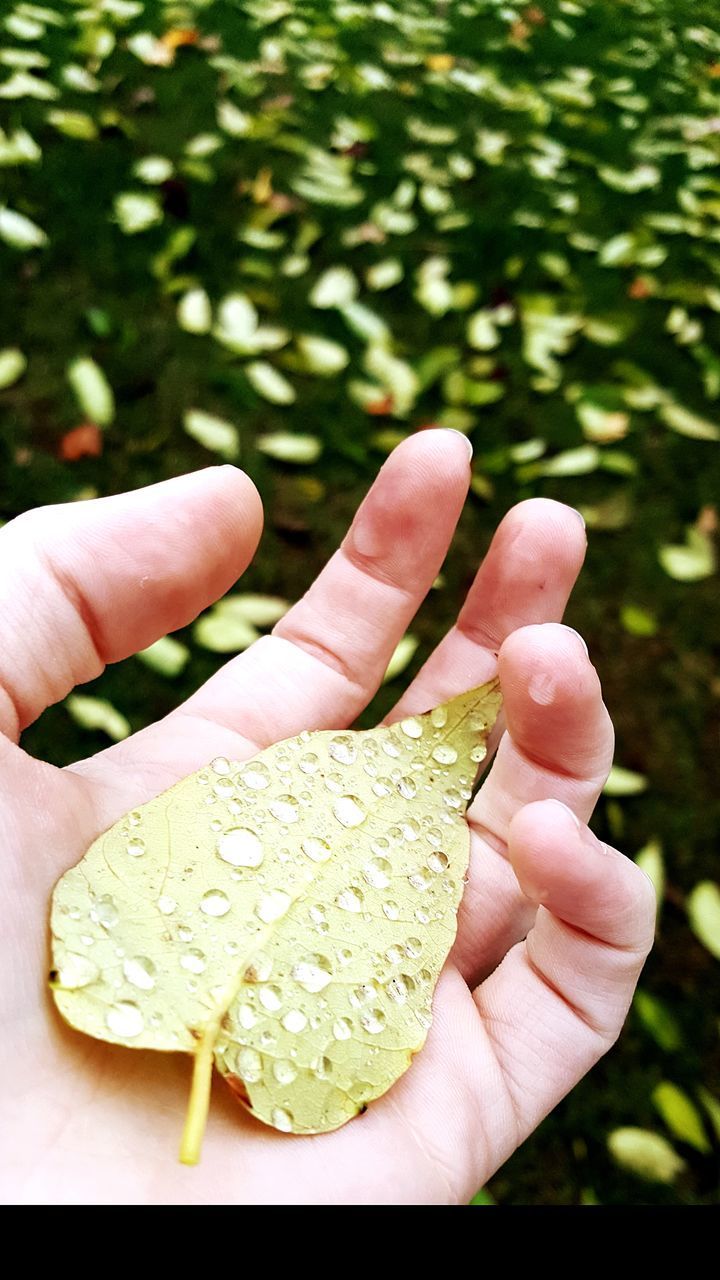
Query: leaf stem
[[199, 1100]]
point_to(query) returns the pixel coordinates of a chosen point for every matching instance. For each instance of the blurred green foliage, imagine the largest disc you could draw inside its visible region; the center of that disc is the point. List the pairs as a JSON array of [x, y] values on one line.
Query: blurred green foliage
[[290, 232]]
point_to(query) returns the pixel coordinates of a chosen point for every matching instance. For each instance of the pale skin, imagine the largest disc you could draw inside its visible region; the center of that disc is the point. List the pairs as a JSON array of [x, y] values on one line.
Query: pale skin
[[554, 927]]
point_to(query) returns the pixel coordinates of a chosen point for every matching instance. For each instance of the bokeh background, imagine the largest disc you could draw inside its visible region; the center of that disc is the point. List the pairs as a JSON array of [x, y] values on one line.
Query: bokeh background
[[288, 233]]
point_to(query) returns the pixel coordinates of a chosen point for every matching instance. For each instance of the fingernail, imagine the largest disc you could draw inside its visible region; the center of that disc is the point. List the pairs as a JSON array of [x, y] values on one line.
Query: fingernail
[[567, 810], [465, 440], [579, 515], [575, 633]]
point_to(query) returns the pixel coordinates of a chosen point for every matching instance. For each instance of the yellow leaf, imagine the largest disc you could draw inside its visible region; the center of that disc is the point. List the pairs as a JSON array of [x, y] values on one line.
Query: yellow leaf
[[286, 917]]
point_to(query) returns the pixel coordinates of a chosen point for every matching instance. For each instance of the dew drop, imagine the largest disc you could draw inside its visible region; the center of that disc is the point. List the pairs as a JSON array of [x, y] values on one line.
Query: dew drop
[[412, 727], [391, 910], [166, 904], [140, 973], [399, 988], [342, 1028], [246, 1017], [270, 998], [421, 916], [267, 1040], [344, 956], [285, 809], [309, 763], [135, 847], [240, 847], [438, 717], [478, 753], [185, 934], [77, 971], [294, 1021], [105, 913], [438, 862], [322, 1068], [452, 798], [215, 903], [194, 961], [407, 788], [350, 899], [378, 873], [284, 1071], [273, 905], [390, 748], [282, 1119], [420, 880], [313, 973], [373, 1021], [343, 749], [224, 788], [135, 818], [248, 1065], [381, 789], [434, 837], [124, 1019], [348, 811], [256, 777], [220, 766], [413, 948], [444, 753], [317, 850]]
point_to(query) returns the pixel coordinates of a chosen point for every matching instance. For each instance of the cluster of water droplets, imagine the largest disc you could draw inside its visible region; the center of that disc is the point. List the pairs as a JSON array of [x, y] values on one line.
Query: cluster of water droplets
[[288, 848]]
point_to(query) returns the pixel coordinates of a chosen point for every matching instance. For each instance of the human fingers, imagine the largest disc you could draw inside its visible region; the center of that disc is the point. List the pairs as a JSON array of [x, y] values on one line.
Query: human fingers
[[329, 653], [526, 577], [558, 1000], [88, 583], [559, 743]]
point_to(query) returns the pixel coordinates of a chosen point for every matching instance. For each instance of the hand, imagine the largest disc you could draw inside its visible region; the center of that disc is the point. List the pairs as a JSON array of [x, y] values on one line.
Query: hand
[[554, 926]]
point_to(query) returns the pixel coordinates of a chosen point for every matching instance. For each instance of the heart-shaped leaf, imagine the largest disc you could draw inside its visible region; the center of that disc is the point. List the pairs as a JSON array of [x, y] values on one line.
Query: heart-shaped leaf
[[286, 917]]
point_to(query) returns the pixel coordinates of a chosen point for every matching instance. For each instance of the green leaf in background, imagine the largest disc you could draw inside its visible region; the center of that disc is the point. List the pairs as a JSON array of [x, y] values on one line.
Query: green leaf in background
[[658, 1020], [12, 366], [167, 656], [20, 232], [624, 782], [646, 1154], [650, 860], [137, 211], [213, 433], [97, 713], [693, 562], [259, 610], [269, 382], [222, 631], [402, 656], [285, 446], [92, 391], [712, 1107], [194, 313], [687, 423], [154, 170], [680, 1115], [703, 909], [638, 621], [336, 287], [74, 124], [322, 356]]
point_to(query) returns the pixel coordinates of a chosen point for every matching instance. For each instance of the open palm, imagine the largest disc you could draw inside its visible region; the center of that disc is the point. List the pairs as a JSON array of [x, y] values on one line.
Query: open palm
[[554, 926]]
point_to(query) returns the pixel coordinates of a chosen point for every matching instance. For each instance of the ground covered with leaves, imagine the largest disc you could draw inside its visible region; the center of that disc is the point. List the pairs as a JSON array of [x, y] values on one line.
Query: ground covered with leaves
[[287, 233]]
